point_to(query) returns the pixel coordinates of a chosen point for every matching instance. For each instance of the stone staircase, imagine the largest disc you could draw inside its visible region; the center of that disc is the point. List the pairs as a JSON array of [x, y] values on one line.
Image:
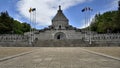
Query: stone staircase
[[60, 43]]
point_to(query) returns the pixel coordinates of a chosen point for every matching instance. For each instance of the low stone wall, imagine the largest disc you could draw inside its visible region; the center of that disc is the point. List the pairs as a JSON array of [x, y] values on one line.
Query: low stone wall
[[98, 40], [14, 44], [105, 44]]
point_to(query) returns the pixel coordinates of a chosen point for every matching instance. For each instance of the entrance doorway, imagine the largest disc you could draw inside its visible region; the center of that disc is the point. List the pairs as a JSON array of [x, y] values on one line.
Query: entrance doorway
[[60, 36]]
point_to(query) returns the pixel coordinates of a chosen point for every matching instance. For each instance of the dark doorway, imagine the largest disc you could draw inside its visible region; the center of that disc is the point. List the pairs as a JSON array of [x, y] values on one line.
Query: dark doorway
[[58, 37], [59, 26]]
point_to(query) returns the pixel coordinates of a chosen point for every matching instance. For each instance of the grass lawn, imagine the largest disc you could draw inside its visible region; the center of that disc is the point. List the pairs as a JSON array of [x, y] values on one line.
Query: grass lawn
[[112, 51]]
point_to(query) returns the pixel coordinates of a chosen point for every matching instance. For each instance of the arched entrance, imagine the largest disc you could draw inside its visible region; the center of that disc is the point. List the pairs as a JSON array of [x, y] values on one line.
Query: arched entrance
[[60, 36]]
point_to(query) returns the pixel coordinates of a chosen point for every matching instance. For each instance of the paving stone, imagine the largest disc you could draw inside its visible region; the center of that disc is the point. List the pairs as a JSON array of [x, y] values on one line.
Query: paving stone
[[60, 58]]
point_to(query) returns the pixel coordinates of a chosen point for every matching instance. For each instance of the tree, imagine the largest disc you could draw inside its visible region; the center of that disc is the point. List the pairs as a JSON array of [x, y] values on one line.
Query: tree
[[8, 25], [25, 27], [107, 22], [6, 21]]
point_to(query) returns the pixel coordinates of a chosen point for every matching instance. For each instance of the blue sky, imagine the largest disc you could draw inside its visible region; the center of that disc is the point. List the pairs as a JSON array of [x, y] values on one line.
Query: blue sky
[[46, 10]]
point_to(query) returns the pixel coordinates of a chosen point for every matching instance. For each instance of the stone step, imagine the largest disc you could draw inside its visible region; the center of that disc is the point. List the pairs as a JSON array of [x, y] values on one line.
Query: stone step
[[60, 43]]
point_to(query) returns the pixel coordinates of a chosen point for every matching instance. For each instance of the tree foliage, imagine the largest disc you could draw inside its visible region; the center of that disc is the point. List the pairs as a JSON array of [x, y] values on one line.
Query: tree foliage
[[10, 26], [107, 22]]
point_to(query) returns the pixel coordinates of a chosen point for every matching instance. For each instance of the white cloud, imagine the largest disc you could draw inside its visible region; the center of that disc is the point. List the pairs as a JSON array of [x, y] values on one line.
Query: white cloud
[[87, 22], [45, 9], [113, 5], [110, 7]]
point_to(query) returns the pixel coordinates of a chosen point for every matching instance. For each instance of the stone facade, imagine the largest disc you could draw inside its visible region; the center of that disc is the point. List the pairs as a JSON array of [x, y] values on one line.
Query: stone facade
[[60, 29], [59, 35]]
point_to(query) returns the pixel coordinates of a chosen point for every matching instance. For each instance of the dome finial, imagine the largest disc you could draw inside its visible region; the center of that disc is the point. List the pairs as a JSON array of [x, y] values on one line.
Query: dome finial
[[59, 7]]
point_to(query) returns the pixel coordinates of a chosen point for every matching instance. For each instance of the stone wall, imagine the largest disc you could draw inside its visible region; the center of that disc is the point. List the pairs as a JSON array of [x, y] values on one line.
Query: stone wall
[[13, 40], [72, 38], [104, 39]]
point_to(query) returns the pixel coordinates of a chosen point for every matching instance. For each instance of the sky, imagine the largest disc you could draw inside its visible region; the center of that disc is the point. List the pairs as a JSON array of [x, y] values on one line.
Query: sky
[[47, 9]]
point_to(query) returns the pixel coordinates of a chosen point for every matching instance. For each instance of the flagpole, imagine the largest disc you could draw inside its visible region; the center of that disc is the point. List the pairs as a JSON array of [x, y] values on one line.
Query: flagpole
[[87, 20], [35, 24], [85, 23], [89, 11], [85, 30], [32, 19], [30, 28], [89, 28]]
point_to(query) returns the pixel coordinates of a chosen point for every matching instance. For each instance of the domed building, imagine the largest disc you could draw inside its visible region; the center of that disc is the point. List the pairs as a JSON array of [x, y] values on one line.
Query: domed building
[[60, 29], [61, 34]]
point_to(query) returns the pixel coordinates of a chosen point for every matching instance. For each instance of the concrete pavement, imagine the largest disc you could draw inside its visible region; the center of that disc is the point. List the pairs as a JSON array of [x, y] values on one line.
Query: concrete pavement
[[60, 57]]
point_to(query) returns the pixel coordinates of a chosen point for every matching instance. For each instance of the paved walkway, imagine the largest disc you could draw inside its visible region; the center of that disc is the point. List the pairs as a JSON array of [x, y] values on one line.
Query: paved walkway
[[60, 58]]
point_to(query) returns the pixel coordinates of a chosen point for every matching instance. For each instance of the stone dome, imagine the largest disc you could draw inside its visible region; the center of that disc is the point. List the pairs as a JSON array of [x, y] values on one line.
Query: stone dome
[[60, 20]]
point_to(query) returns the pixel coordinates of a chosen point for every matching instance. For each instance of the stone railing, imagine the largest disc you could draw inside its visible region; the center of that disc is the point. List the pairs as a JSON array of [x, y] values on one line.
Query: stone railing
[[110, 39], [12, 38]]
